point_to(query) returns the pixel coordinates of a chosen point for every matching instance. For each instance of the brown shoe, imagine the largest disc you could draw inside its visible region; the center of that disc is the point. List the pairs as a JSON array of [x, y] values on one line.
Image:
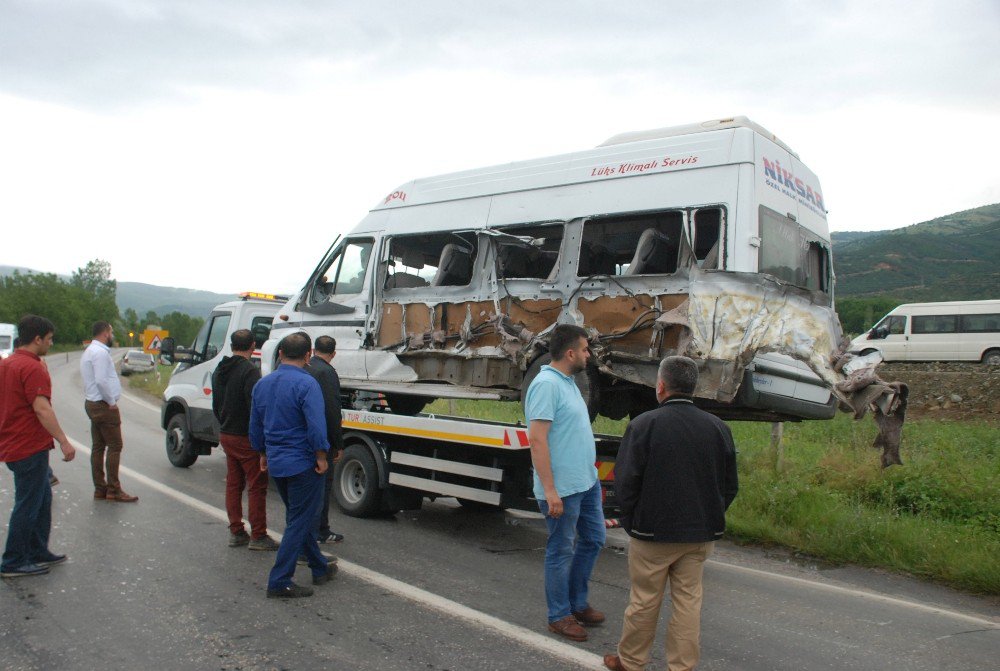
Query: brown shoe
[[100, 493], [613, 662], [121, 496], [568, 627], [589, 616]]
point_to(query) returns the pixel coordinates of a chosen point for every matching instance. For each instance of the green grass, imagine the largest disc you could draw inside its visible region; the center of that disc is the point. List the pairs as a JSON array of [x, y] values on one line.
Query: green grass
[[152, 383], [937, 516]]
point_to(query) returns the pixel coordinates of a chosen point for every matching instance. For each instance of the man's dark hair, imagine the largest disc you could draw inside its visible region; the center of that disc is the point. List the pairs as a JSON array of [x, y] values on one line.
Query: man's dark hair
[[241, 340], [563, 337], [31, 327], [325, 345], [99, 327], [295, 346], [679, 374]]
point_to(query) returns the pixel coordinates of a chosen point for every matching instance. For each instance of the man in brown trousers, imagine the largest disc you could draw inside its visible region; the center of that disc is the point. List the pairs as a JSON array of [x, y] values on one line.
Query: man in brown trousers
[[676, 476], [102, 390]]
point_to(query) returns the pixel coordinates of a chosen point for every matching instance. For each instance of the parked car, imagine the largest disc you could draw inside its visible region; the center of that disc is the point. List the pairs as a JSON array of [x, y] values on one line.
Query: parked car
[[137, 361]]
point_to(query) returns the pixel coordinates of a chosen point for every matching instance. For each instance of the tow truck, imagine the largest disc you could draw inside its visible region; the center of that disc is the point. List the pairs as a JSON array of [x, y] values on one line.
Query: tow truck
[[186, 412], [391, 462]]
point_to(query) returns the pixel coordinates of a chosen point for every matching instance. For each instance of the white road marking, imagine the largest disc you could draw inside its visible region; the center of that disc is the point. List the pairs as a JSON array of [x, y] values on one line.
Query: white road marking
[[553, 647], [863, 594], [850, 591], [138, 401]]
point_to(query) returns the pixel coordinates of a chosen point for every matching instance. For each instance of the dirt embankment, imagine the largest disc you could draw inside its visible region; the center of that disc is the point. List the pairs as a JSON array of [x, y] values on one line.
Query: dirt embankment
[[948, 390]]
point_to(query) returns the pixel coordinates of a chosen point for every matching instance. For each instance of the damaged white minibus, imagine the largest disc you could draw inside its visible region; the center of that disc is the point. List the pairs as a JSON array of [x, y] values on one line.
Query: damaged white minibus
[[709, 240]]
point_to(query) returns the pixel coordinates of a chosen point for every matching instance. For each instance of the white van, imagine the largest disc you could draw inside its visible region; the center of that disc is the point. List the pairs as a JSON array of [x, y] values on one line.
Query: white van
[[8, 334], [709, 239], [949, 331]]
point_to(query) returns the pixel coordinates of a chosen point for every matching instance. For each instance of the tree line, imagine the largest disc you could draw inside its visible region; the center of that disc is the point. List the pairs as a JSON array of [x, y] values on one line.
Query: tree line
[[74, 305], [89, 295]]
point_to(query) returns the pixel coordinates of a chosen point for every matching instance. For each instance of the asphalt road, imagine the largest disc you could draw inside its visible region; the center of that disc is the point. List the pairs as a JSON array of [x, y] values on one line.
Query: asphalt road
[[153, 585]]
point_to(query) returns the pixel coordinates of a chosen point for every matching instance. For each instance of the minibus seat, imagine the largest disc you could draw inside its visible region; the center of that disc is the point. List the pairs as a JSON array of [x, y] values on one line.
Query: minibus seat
[[526, 263], [455, 267], [404, 281], [595, 260], [514, 261], [655, 254]]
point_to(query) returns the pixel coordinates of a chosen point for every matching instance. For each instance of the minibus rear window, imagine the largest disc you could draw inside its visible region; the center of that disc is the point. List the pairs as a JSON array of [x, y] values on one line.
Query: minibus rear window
[[793, 253]]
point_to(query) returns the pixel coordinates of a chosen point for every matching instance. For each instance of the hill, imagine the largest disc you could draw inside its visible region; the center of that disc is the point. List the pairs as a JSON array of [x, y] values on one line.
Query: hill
[[164, 300], [956, 257], [145, 297]]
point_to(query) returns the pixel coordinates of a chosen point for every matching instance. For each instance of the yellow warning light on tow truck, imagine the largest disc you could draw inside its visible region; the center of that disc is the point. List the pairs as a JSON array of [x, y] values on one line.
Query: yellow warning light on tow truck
[[262, 296]]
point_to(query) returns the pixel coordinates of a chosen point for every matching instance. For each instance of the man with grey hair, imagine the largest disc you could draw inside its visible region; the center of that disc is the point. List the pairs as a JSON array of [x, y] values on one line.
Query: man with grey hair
[[676, 476]]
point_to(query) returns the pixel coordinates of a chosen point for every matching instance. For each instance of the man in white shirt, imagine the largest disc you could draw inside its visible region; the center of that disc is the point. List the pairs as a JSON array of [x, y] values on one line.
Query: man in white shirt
[[102, 390]]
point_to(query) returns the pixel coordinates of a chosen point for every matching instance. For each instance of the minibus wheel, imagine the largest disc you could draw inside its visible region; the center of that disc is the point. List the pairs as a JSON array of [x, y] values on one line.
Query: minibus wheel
[[992, 357]]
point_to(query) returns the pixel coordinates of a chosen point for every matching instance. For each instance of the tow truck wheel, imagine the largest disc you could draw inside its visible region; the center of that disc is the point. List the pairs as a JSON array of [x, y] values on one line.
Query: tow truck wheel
[[180, 448], [355, 483]]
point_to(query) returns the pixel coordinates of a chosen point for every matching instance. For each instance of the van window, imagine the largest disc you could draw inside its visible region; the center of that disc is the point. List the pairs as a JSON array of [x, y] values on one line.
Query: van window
[[792, 253], [707, 237], [534, 256], [438, 260], [639, 244], [5, 342], [935, 324], [891, 325], [260, 327], [217, 335], [980, 323], [343, 272]]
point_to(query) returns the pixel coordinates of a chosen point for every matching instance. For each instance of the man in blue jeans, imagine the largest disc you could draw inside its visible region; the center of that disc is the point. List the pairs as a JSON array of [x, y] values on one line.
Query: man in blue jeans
[[28, 426], [566, 485], [288, 428]]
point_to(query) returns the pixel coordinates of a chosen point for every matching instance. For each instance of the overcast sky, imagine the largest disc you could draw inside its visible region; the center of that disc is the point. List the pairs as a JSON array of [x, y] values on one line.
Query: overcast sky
[[223, 144]]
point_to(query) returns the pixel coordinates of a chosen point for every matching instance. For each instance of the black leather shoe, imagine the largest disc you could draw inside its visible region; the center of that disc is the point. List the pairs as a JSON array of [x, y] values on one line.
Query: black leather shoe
[[331, 570], [293, 591], [51, 560]]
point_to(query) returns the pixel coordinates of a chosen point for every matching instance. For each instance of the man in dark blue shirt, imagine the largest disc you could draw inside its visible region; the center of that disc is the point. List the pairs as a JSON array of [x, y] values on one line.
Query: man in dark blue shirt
[[288, 428]]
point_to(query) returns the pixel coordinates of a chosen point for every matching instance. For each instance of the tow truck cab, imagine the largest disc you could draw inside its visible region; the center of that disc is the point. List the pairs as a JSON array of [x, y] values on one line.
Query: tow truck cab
[[186, 413]]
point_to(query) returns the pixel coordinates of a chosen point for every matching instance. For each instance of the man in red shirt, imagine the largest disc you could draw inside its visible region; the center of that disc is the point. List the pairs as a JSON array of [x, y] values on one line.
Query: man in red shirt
[[28, 426]]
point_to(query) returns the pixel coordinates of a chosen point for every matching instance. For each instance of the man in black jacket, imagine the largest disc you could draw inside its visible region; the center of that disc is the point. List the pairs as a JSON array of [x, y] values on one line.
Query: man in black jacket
[[321, 368], [675, 475], [232, 384]]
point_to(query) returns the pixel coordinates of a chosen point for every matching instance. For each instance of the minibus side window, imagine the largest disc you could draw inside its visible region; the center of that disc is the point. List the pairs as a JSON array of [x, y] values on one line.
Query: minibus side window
[[534, 256], [935, 324], [708, 241], [437, 260], [980, 323], [638, 244]]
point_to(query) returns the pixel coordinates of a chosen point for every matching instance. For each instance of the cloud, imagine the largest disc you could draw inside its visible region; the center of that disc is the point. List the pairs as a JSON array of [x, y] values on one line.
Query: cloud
[[111, 53]]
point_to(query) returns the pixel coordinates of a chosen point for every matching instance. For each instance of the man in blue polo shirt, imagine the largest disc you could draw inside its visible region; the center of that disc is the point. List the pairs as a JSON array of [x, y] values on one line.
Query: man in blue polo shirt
[[567, 488], [288, 428]]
